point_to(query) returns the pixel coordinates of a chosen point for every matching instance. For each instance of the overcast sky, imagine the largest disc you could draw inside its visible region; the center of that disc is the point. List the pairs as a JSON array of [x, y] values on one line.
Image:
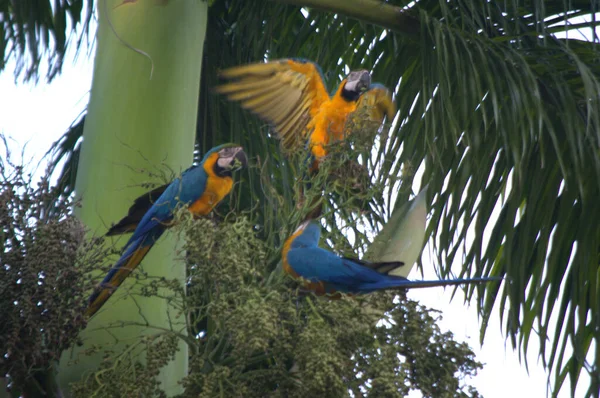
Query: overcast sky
[[37, 115]]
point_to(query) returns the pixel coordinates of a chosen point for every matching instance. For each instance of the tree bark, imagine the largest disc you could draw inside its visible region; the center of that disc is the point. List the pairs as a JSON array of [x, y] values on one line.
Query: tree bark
[[141, 115]]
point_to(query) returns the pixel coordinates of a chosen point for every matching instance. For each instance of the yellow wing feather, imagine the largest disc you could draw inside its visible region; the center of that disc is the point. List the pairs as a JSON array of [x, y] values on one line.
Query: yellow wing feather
[[285, 93]]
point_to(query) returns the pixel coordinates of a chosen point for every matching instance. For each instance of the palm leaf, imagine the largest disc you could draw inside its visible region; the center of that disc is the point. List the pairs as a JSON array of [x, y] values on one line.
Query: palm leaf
[[401, 239], [31, 31]]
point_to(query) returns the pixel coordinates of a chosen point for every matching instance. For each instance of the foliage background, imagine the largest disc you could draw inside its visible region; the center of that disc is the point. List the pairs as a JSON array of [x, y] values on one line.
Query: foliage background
[[459, 319], [252, 331], [507, 92], [257, 334]]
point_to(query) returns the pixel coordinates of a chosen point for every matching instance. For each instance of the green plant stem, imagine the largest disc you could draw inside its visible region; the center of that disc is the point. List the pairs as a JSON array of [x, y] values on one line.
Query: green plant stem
[[372, 11]]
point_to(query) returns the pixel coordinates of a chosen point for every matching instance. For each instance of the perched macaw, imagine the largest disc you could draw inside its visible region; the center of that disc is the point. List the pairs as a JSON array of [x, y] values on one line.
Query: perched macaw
[[200, 188], [290, 94], [324, 272]]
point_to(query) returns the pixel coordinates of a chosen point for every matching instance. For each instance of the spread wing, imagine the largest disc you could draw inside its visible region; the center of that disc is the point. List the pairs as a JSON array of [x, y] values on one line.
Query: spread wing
[[286, 93]]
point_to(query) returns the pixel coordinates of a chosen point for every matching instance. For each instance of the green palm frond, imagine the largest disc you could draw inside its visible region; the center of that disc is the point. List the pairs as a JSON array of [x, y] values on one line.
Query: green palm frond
[[500, 115], [513, 131], [32, 31], [66, 152]]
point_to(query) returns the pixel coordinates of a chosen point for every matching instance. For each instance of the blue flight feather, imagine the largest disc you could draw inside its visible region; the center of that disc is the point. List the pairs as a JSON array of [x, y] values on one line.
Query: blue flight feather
[[182, 191], [344, 275]]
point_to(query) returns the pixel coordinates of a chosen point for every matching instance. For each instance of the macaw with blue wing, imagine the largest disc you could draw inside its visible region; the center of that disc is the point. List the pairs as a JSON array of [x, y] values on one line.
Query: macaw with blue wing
[[324, 272], [200, 188], [290, 94]]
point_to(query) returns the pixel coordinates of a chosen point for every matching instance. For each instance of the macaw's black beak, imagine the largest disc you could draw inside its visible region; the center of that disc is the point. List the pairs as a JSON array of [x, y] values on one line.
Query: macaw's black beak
[[357, 83], [240, 158], [364, 81], [230, 158]]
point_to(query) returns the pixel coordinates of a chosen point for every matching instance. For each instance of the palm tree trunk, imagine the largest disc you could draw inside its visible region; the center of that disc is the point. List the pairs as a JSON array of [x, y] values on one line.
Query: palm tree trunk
[[141, 114]]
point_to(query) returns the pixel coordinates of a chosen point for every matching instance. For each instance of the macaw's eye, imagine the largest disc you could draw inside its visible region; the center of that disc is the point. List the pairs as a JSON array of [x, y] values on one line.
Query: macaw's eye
[[226, 152], [353, 76]]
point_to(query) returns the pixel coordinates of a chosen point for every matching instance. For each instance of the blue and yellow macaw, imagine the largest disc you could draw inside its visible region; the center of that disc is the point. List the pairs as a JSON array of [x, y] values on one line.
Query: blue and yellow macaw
[[290, 94], [323, 272], [200, 188]]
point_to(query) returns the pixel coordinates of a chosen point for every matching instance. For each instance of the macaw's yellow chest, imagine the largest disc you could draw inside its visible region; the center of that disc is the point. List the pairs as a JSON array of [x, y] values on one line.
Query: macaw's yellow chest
[[286, 249], [329, 123], [216, 189]]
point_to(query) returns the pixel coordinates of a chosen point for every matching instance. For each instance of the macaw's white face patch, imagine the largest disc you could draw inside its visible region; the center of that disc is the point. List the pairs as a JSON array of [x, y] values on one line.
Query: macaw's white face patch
[[358, 81]]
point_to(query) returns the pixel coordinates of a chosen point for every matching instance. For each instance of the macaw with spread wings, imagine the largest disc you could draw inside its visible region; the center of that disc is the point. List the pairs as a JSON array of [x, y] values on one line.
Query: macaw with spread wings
[[290, 94]]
